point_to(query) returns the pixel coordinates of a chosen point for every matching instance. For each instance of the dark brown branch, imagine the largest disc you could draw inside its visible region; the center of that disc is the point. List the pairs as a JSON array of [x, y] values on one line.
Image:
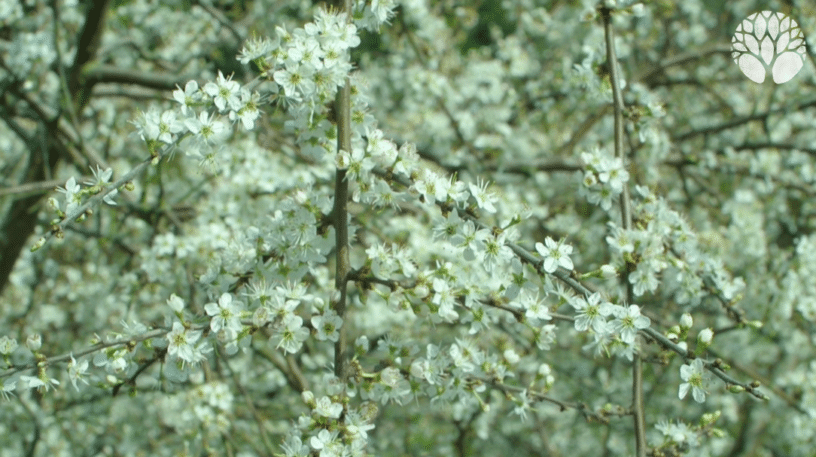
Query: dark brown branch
[[98, 73]]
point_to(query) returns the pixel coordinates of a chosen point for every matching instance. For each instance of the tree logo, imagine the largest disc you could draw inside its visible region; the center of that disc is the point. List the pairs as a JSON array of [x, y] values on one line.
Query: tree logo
[[768, 41]]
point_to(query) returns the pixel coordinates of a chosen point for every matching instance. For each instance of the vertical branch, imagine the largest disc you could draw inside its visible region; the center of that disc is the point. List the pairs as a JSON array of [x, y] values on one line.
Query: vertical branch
[[87, 46], [626, 220], [340, 213], [617, 105]]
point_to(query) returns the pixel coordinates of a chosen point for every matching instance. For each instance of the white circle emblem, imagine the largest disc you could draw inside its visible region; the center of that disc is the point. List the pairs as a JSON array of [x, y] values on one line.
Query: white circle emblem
[[768, 42]]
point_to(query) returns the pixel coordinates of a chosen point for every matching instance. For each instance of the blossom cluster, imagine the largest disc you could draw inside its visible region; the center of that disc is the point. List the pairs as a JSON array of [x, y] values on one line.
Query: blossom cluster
[[604, 178], [467, 301]]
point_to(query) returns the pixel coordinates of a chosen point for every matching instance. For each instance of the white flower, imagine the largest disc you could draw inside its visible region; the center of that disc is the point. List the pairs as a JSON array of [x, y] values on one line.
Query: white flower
[[362, 345], [545, 373], [511, 356], [307, 50], [72, 195], [7, 387], [705, 336], [348, 36], [427, 186], [390, 376], [326, 408], [471, 240], [294, 447], [224, 92], [602, 197], [7, 345], [226, 314], [644, 278], [357, 424], [188, 97], [628, 322], [613, 174], [382, 10], [261, 316], [445, 297], [76, 371], [181, 343], [678, 433], [296, 80], [147, 125], [694, 375], [545, 336], [207, 129], [555, 255], [620, 240], [290, 334], [32, 382], [685, 321], [534, 307], [175, 303], [327, 443], [34, 342], [465, 355], [522, 405], [256, 48], [608, 271], [327, 325], [100, 179], [592, 313], [357, 163], [483, 198], [496, 252], [168, 127], [248, 111]]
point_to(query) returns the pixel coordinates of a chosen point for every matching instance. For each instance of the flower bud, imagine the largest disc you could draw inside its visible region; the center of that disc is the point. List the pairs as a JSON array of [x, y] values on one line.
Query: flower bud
[[38, 244], [308, 398], [710, 418], [34, 342], [511, 356], [175, 303], [608, 271], [686, 321], [362, 345], [421, 291], [705, 336]]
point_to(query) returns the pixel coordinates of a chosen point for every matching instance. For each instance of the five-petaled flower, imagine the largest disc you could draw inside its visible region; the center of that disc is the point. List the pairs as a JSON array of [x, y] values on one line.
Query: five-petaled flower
[[225, 314], [628, 322], [592, 312], [327, 325], [555, 255], [224, 92], [181, 343], [694, 375]]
